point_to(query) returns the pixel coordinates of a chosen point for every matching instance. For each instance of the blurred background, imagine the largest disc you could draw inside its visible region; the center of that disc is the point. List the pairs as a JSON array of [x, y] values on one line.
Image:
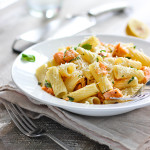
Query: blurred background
[[17, 11]]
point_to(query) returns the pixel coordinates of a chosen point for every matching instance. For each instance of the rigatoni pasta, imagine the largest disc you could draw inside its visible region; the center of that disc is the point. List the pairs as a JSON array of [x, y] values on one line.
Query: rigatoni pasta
[[66, 70], [93, 72], [58, 86], [85, 92], [100, 75]]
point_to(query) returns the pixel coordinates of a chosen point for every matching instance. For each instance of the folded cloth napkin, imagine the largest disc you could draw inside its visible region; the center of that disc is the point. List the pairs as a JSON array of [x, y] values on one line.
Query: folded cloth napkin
[[127, 131]]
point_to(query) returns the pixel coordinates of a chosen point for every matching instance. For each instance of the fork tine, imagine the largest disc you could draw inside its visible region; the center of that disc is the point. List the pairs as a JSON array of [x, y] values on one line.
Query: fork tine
[[19, 117], [13, 117], [22, 116], [27, 118], [135, 97]]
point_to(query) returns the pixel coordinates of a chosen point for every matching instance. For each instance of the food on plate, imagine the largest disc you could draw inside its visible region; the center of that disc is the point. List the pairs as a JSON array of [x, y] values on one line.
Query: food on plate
[[137, 28], [92, 72]]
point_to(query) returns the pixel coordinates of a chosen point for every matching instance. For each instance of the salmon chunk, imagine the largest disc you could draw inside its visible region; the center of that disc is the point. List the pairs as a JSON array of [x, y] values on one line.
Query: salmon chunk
[[112, 93]]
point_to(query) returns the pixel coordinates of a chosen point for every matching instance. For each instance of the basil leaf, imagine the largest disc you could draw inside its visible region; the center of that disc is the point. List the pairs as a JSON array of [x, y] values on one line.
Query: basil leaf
[[75, 48], [30, 58], [87, 46], [131, 80], [70, 98]]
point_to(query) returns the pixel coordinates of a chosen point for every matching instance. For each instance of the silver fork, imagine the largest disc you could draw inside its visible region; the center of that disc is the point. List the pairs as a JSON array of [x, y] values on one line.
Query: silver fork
[[26, 125], [142, 93]]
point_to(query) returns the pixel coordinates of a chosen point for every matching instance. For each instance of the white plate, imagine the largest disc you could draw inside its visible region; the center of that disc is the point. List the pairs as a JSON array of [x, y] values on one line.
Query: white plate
[[23, 74]]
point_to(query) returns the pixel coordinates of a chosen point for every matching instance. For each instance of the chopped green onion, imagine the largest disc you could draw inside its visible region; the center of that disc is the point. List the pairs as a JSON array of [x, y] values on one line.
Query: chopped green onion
[[102, 50], [47, 84], [65, 53], [128, 57], [103, 56], [97, 59], [122, 75], [70, 98], [134, 46], [131, 80], [113, 82], [87, 46], [39, 83], [75, 59], [30, 58], [80, 75]]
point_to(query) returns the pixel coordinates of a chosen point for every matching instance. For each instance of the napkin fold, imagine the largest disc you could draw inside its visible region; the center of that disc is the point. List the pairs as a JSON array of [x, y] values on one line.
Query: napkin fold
[[128, 131]]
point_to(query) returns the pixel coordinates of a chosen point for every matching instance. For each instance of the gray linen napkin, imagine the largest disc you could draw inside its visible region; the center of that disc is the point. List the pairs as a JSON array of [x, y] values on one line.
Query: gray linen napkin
[[122, 132]]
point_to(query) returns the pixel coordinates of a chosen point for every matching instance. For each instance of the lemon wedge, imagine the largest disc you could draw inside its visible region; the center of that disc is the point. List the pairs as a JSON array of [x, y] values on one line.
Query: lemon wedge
[[137, 28]]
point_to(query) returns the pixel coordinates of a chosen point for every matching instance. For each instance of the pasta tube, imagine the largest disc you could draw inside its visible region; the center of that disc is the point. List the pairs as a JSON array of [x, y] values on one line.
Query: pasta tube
[[88, 56], [51, 63], [128, 63], [56, 81], [101, 77], [83, 93], [125, 83], [72, 81], [139, 56], [122, 72], [91, 100], [40, 74], [93, 41], [66, 70], [131, 90]]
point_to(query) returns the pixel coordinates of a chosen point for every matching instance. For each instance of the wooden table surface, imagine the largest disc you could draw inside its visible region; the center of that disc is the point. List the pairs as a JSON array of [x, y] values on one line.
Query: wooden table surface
[[15, 20]]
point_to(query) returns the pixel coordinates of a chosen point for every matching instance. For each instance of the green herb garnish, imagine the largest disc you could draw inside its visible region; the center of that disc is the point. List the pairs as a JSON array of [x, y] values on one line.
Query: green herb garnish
[[87, 46], [134, 46], [65, 53], [97, 59], [39, 83], [122, 75], [75, 48], [80, 75], [47, 84], [70, 98], [131, 67], [102, 50], [131, 80], [113, 82], [75, 59], [103, 56], [30, 58], [78, 44], [128, 57]]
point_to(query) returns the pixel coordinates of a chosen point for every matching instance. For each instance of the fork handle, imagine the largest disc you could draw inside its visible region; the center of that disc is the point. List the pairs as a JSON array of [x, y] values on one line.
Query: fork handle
[[60, 143]]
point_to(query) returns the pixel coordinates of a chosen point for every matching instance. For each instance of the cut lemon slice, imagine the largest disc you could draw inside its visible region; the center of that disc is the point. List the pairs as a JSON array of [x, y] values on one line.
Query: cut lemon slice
[[137, 28]]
